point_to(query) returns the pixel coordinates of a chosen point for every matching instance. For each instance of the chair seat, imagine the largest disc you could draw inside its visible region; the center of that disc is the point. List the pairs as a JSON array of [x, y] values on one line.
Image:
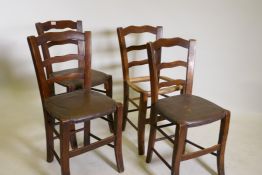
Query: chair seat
[[189, 109], [79, 105], [97, 78]]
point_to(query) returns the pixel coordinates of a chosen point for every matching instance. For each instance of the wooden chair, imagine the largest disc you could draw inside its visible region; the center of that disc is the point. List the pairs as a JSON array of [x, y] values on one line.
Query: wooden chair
[[98, 78], [133, 82], [182, 111], [80, 106]]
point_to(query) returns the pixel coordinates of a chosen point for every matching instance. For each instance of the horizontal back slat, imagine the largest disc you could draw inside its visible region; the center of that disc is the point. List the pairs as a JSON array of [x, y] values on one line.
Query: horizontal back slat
[[54, 43], [138, 63], [170, 42], [172, 64], [58, 25], [139, 29], [63, 58], [136, 47], [60, 37], [171, 83]]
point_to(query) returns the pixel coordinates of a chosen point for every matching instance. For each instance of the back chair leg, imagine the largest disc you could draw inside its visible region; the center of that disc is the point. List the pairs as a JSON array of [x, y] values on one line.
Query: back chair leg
[[224, 127], [109, 92], [152, 136], [87, 125], [118, 137], [179, 145], [73, 139], [49, 124], [125, 104], [142, 123], [184, 149], [64, 147]]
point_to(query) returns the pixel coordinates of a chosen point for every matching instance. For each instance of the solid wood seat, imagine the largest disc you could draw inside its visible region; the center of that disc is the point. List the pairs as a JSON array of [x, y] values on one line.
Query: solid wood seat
[[79, 105], [97, 78], [189, 110], [134, 81], [183, 110]]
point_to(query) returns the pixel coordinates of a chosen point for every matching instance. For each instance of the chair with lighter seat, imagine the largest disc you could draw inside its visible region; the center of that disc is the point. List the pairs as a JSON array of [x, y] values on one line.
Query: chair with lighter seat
[[182, 111], [61, 111], [135, 82]]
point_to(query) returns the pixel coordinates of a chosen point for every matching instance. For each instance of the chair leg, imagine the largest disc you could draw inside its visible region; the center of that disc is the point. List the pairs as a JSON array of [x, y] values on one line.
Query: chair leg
[[184, 149], [87, 132], [142, 123], [109, 92], [118, 137], [179, 144], [224, 127], [73, 140], [125, 104], [49, 123], [64, 147], [152, 136]]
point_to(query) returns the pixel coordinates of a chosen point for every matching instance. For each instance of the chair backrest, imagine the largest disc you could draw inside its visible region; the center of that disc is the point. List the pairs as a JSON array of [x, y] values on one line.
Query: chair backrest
[[68, 37], [58, 25], [61, 24], [122, 34], [156, 65]]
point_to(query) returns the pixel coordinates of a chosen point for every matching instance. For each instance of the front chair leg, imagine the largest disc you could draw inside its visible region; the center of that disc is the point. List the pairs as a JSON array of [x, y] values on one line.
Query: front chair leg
[[64, 147], [118, 137], [73, 139], [152, 135], [224, 127], [49, 124], [142, 123], [179, 145], [109, 92]]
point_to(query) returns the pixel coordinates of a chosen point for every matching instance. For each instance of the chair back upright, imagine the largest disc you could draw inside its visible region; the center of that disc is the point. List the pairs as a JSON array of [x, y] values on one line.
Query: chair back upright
[[46, 82], [125, 50], [58, 25], [157, 65]]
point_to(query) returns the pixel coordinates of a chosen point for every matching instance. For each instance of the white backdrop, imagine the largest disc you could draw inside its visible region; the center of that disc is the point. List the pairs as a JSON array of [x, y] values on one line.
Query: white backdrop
[[228, 34]]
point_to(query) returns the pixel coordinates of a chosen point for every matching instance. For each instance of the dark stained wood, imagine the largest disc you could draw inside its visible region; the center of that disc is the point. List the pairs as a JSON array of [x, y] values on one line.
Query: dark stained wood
[[137, 63], [98, 77], [172, 64], [64, 58], [140, 29], [73, 107], [182, 111], [136, 47], [130, 82], [62, 24]]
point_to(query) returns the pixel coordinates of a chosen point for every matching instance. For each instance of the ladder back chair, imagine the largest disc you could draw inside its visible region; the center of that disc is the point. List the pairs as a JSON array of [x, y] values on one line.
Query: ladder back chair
[[97, 77], [181, 111], [133, 82], [61, 111]]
